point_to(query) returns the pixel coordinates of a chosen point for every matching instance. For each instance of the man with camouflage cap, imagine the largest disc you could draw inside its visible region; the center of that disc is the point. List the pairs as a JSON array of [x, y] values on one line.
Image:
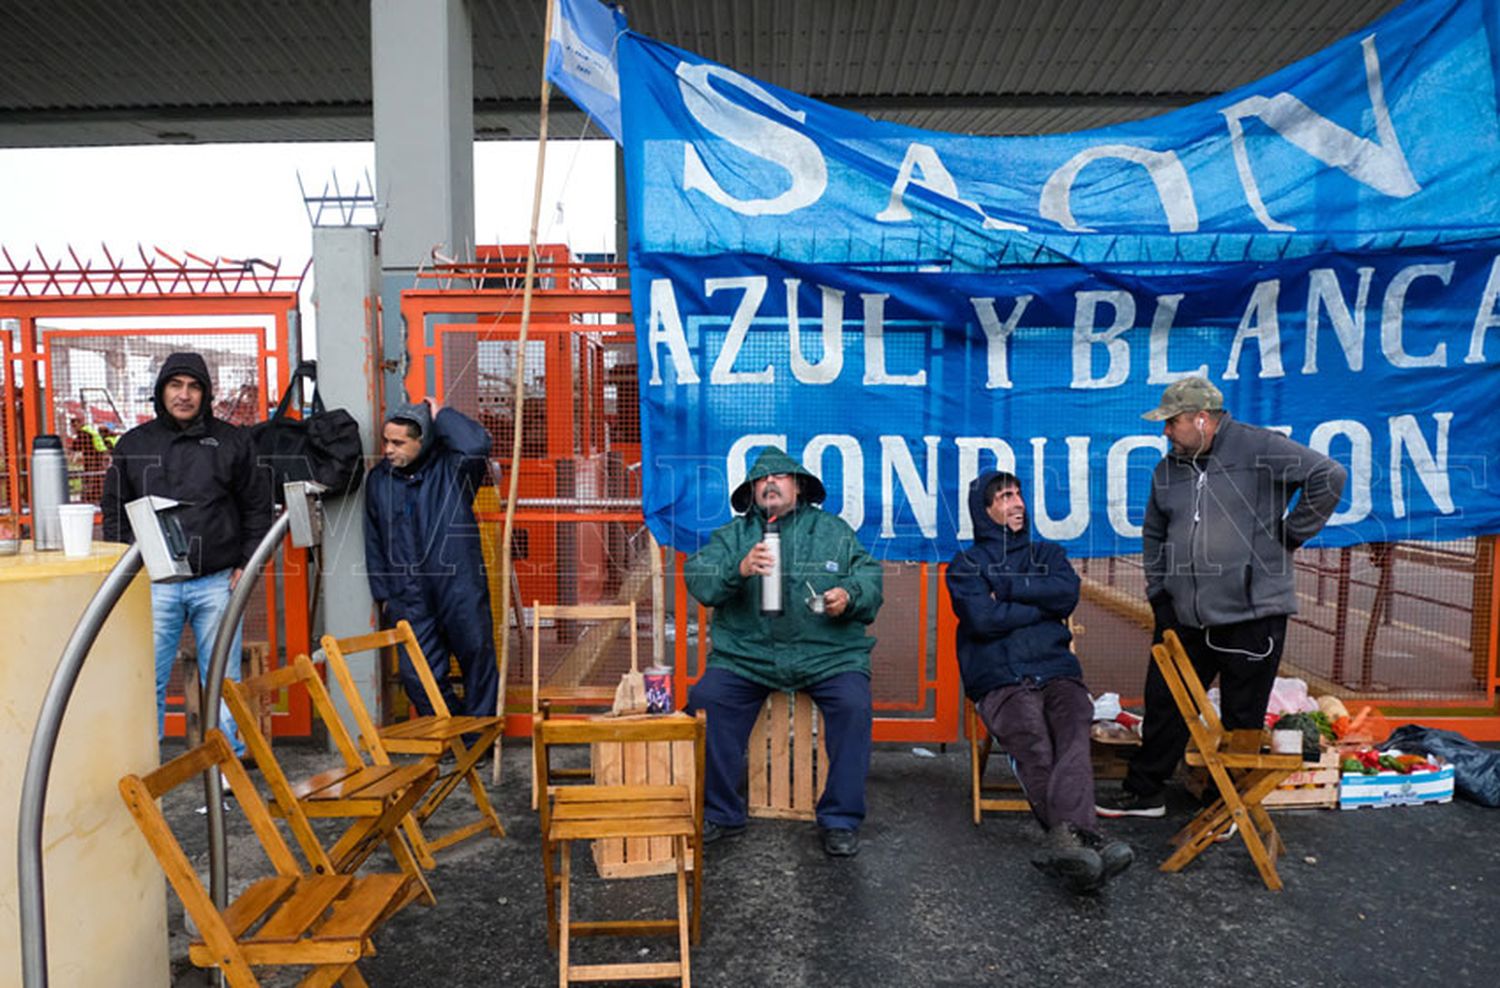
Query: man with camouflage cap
[[1217, 545], [817, 643]]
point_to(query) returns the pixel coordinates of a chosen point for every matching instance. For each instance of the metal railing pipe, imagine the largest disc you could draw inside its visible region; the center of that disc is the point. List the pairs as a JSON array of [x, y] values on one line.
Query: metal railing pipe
[[213, 692]]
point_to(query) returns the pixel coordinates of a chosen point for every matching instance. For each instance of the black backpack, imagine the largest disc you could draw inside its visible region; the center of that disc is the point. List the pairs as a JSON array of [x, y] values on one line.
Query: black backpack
[[323, 447]]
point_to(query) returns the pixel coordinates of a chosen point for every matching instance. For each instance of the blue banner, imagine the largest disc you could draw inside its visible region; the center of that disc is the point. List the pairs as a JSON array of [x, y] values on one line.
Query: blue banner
[[581, 58], [902, 308]]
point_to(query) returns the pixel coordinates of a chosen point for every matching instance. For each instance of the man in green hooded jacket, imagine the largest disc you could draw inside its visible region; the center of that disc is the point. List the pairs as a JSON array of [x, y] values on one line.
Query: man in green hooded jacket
[[830, 590]]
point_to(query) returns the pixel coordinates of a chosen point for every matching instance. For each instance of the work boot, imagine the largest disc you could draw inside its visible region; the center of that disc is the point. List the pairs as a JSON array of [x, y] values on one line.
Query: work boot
[[839, 842], [1064, 857], [1115, 855], [718, 831]]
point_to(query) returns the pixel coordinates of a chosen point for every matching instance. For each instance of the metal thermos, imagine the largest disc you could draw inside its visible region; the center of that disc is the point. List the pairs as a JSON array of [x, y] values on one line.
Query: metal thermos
[[49, 489], [770, 583]]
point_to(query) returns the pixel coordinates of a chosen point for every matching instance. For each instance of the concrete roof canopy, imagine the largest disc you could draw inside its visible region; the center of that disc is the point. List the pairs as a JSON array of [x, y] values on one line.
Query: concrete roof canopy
[[90, 72]]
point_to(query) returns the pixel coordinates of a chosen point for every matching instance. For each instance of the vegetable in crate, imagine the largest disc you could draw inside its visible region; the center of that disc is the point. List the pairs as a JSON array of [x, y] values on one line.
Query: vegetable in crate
[[1312, 733], [1414, 763], [1369, 761]]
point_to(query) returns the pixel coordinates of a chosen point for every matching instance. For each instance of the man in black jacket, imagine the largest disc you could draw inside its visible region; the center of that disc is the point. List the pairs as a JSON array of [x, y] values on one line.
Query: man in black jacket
[[188, 455], [1013, 595]]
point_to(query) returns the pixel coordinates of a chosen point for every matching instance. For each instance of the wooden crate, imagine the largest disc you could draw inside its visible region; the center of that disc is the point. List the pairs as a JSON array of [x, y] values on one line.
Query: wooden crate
[[255, 658], [1315, 787], [257, 663], [658, 762], [788, 759], [1109, 754]]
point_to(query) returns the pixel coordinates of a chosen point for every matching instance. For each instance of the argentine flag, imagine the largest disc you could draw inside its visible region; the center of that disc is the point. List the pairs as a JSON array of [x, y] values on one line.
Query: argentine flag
[[581, 58]]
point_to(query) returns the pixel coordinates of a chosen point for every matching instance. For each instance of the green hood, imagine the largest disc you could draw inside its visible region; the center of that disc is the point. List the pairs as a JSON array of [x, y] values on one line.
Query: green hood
[[773, 460]]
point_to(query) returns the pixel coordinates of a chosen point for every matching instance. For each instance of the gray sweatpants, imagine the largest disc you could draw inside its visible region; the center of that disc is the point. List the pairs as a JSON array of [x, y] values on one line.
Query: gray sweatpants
[[1045, 731]]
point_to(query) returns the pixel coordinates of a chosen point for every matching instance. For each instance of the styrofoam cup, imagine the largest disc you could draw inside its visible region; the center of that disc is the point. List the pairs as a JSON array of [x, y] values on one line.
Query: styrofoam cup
[[77, 528]]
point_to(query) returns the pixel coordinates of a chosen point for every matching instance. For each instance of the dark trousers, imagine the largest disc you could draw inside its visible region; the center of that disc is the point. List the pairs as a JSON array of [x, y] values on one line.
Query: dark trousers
[[466, 636], [732, 703], [1244, 656], [1045, 732]]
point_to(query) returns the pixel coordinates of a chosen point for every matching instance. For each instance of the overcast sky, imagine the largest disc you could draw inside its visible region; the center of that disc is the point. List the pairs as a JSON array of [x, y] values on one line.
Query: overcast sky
[[243, 200]]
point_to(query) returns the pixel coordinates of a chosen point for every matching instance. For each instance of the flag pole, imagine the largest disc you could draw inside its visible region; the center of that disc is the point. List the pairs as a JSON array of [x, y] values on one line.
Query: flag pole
[[519, 397]]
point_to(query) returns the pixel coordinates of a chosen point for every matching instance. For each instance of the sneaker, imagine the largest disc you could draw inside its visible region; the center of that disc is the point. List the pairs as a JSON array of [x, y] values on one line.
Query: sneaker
[[1116, 855], [1079, 868], [718, 831], [1209, 797], [838, 842], [1123, 802]]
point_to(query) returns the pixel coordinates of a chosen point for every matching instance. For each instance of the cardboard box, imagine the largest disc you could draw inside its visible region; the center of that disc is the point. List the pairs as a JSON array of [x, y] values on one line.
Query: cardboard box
[[1395, 789]]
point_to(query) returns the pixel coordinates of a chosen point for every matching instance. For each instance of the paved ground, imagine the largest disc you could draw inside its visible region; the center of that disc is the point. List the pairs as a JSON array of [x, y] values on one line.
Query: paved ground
[[1373, 898]]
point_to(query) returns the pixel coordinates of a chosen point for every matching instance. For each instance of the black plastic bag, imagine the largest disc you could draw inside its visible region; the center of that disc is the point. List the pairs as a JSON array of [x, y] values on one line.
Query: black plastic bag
[[322, 447], [1476, 769]]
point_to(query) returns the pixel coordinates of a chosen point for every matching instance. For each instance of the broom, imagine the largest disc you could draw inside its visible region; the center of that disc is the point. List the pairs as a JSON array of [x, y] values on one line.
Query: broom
[[630, 695]]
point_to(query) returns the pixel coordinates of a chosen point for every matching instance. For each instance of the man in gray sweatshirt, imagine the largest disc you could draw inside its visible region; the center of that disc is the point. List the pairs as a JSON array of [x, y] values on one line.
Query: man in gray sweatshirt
[[1217, 544]]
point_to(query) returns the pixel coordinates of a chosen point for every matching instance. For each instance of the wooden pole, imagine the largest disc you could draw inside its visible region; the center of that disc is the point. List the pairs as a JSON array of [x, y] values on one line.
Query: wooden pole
[[519, 399], [658, 604]]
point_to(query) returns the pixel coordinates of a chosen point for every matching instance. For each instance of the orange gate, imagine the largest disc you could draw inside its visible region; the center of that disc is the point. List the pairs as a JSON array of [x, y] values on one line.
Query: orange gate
[[87, 345], [579, 535]]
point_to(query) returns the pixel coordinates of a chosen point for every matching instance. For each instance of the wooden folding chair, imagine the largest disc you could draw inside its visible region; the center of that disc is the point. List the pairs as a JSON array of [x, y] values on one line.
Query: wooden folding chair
[[292, 919], [591, 812], [374, 798], [1241, 773], [985, 795], [571, 692], [428, 736]]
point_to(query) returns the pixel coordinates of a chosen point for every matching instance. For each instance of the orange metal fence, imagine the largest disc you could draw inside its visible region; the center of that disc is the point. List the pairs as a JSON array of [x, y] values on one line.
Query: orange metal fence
[[581, 449], [80, 360]]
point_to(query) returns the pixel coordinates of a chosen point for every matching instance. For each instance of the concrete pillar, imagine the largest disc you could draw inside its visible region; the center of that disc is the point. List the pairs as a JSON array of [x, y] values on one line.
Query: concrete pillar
[[346, 292], [423, 83]]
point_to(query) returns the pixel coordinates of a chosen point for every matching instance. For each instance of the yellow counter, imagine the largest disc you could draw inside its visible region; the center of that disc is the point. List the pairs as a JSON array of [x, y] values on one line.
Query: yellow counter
[[106, 898]]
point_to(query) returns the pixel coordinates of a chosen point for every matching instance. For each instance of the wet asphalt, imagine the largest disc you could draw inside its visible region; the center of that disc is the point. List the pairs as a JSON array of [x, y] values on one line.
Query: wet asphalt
[[1373, 897]]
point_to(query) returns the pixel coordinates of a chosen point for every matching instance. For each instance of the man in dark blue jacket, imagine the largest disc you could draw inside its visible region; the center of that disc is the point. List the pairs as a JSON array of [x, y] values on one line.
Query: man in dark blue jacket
[[422, 549], [1013, 595]]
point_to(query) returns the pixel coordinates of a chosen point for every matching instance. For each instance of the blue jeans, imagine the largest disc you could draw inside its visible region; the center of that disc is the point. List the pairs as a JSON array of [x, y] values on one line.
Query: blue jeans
[[200, 602]]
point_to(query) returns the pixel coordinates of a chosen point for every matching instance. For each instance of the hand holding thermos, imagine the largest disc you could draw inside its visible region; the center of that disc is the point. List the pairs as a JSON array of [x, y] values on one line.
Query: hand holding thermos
[[764, 560]]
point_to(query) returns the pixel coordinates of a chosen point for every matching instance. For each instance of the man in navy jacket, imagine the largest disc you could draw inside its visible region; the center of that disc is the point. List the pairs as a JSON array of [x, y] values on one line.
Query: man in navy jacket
[[1013, 595], [422, 549]]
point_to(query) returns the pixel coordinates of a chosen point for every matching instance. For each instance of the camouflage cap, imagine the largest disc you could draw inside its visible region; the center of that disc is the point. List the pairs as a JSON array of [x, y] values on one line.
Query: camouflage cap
[[1191, 394]]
